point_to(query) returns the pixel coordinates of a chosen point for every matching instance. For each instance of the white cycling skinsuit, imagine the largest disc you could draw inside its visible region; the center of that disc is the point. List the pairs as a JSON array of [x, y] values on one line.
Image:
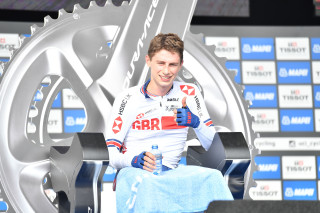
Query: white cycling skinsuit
[[139, 119]]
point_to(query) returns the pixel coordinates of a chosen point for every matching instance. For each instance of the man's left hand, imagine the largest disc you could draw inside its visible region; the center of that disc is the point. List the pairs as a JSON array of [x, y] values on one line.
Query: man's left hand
[[184, 117]]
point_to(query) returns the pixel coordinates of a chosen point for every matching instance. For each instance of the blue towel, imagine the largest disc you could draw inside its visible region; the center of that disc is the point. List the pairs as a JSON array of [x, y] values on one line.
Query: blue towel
[[185, 189]]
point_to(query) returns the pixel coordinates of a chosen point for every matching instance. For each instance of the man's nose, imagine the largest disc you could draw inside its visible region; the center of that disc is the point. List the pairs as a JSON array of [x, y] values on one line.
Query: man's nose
[[166, 69]]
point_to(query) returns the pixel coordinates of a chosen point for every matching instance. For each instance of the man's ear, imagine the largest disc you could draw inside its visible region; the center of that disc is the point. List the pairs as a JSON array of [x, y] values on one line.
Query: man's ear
[[148, 60], [181, 64]]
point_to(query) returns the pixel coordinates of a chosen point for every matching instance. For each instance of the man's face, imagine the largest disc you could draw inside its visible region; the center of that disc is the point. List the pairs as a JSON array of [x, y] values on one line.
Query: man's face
[[164, 67]]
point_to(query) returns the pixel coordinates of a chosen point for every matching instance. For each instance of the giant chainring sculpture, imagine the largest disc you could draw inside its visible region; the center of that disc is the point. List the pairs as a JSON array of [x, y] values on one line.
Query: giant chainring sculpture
[[97, 52]]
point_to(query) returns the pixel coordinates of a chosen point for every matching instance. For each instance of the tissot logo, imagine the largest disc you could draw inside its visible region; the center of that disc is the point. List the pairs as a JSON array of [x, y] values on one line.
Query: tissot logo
[[225, 46], [257, 48], [256, 72], [269, 167], [8, 42], [296, 120], [292, 48], [295, 167], [266, 190], [261, 96], [265, 120], [299, 190], [71, 100], [295, 96], [294, 72]]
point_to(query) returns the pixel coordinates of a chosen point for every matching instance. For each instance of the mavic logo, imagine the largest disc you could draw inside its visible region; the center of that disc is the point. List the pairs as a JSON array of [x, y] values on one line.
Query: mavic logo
[[189, 90], [117, 124]]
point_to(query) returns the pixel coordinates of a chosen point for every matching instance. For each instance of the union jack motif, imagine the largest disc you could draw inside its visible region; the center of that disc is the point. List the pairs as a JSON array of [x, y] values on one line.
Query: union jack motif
[[114, 143], [117, 124], [189, 90], [208, 122]]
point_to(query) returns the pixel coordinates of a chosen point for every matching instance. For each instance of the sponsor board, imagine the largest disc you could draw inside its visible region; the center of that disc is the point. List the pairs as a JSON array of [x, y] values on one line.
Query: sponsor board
[[38, 96], [265, 120], [266, 190], [74, 120], [295, 96], [3, 206], [298, 167], [317, 119], [296, 120], [292, 48], [318, 166], [4, 59], [294, 72], [257, 48], [8, 42], [299, 190], [109, 174], [316, 95], [258, 72], [235, 66], [71, 100], [315, 48], [316, 72], [57, 101], [268, 167], [261, 96], [225, 46], [288, 143], [55, 121]]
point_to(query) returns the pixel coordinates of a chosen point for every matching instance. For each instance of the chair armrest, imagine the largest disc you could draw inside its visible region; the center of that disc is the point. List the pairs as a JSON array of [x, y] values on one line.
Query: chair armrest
[[77, 172], [228, 153]]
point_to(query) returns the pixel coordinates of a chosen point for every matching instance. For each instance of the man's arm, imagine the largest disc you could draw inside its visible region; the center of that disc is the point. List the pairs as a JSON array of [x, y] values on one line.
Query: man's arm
[[195, 115], [121, 119]]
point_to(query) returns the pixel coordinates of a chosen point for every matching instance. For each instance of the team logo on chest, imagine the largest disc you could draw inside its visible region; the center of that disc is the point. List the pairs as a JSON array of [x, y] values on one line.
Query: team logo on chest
[[189, 90], [117, 124]]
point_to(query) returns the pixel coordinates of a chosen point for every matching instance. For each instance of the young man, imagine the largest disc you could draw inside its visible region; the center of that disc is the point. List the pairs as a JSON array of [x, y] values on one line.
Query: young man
[[158, 112]]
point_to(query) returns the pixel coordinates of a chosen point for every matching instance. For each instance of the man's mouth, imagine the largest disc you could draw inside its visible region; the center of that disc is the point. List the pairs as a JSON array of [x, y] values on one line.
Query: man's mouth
[[165, 78]]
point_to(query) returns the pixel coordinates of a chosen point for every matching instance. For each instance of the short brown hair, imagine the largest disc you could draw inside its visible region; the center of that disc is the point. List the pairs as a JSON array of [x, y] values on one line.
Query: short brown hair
[[170, 42]]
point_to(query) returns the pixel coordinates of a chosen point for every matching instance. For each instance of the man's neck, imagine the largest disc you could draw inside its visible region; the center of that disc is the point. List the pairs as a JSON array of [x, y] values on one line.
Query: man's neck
[[157, 90]]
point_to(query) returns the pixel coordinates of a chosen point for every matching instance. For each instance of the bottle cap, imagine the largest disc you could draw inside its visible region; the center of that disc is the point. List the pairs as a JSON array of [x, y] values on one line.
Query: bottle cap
[[155, 146]]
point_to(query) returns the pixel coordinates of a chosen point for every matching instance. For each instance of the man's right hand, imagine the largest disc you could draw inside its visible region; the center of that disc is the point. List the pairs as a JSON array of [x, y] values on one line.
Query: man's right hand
[[145, 160]]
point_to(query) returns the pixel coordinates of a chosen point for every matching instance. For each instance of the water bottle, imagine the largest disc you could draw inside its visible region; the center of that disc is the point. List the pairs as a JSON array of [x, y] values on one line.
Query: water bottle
[[156, 152]]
